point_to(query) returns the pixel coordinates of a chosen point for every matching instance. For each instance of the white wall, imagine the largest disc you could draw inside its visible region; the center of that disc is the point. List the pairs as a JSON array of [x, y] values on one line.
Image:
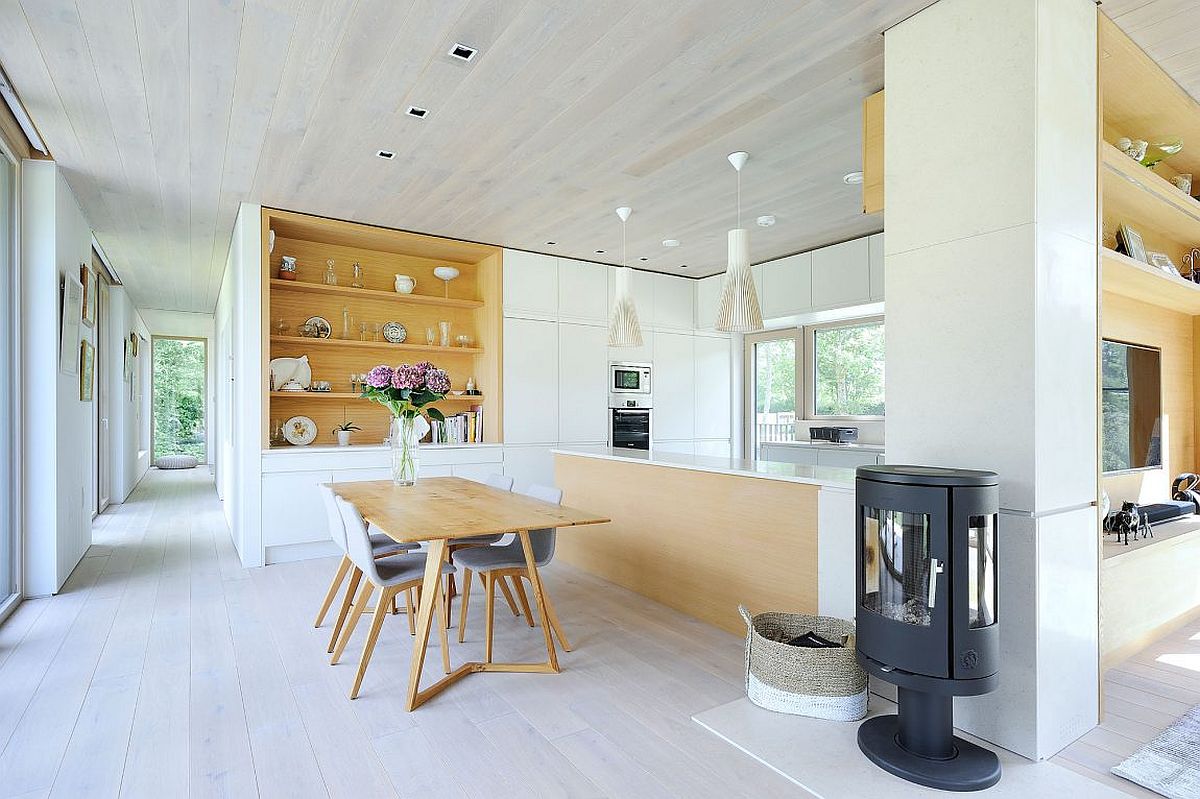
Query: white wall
[[185, 324], [129, 414]]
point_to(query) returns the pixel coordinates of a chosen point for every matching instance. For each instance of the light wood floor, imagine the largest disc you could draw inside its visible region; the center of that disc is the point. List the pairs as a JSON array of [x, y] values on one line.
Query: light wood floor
[[1142, 697], [164, 669]]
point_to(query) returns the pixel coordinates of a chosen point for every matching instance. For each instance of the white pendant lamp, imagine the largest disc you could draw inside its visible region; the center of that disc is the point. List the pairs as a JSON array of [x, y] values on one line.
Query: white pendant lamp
[[739, 311], [623, 327]]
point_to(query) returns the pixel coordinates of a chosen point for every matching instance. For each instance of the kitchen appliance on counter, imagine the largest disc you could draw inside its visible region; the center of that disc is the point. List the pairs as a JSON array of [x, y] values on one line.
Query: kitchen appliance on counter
[[833, 435], [629, 421], [629, 379]]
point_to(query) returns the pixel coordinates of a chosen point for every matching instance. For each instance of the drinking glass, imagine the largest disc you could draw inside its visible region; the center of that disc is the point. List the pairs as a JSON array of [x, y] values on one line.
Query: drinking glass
[[362, 331], [430, 336], [444, 333]]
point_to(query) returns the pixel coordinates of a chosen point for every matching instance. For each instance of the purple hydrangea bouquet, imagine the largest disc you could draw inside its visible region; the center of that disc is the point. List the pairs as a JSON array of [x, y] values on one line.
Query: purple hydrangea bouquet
[[408, 391]]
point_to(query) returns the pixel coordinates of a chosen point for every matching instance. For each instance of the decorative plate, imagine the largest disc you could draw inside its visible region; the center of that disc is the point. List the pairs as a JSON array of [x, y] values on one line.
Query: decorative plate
[[394, 332], [300, 430], [321, 324], [286, 370]]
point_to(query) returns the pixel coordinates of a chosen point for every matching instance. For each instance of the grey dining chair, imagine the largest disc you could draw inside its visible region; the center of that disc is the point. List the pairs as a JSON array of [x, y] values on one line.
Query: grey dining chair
[[494, 563], [390, 575], [503, 483], [381, 546]]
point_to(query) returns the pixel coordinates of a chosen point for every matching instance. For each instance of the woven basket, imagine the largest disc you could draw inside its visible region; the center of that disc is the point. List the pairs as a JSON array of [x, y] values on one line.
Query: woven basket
[[805, 681]]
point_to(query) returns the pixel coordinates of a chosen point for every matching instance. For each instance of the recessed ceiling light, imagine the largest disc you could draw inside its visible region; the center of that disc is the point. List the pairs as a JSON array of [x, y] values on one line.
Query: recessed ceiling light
[[643, 258], [462, 51], [599, 252], [852, 178], [551, 243], [766, 220], [683, 266], [417, 111], [670, 242], [388, 154]]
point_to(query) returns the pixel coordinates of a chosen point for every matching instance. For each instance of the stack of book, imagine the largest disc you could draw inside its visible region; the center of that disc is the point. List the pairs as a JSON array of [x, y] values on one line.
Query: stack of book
[[461, 428]]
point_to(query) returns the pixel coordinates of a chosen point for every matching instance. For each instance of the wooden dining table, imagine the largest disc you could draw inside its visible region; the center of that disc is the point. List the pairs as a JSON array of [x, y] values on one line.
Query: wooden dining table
[[437, 510]]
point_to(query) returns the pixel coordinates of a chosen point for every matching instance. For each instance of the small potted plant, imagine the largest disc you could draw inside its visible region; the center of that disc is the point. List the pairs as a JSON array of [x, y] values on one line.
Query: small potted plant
[[342, 431]]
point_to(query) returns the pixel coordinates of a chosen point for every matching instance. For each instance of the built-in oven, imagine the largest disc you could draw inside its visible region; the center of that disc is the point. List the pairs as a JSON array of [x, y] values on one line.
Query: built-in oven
[[629, 378], [629, 428]]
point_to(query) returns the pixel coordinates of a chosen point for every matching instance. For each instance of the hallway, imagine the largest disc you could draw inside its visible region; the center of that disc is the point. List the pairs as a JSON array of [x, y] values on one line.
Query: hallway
[[165, 669]]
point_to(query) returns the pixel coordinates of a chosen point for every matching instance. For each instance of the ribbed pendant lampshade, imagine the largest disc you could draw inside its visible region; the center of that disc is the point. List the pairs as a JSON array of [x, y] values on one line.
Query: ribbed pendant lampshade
[[623, 327], [739, 311]]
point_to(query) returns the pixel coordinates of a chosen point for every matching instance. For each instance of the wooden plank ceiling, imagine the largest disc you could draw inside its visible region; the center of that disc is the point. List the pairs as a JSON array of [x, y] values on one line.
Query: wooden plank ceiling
[[1169, 31], [165, 114]]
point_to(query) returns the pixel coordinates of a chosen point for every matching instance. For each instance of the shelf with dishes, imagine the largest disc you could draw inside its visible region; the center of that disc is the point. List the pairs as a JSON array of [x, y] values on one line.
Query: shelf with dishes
[[1141, 198], [434, 349], [1145, 283], [310, 287]]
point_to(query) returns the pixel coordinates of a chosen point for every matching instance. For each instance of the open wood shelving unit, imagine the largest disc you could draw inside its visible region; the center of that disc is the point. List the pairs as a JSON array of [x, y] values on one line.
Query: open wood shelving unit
[[471, 304]]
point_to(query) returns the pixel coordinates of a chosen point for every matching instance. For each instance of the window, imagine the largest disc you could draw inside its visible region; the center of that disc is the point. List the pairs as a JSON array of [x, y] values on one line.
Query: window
[[773, 388], [845, 374], [178, 385], [10, 550]]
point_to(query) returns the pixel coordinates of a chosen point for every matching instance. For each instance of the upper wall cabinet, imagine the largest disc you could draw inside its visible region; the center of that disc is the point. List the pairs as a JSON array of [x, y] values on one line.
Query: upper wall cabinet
[[708, 300], [841, 275], [875, 258], [674, 302], [643, 293], [530, 282], [787, 286], [582, 290]]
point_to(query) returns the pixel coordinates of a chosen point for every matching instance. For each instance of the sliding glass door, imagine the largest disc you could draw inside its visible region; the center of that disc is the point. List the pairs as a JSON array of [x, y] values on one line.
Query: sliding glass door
[[177, 383], [771, 388]]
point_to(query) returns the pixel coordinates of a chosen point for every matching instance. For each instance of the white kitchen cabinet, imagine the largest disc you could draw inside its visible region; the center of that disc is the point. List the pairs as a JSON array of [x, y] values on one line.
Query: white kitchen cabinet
[[713, 387], [582, 290], [530, 381], [674, 302], [675, 447], [875, 261], [529, 465], [293, 511], [674, 387], [642, 354], [787, 286], [708, 299], [713, 448], [841, 275], [847, 459], [530, 283], [784, 453], [642, 288], [582, 383]]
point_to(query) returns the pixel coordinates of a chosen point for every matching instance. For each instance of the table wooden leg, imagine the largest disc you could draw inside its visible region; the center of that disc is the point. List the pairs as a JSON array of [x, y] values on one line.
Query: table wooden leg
[[539, 596], [489, 584], [429, 595]]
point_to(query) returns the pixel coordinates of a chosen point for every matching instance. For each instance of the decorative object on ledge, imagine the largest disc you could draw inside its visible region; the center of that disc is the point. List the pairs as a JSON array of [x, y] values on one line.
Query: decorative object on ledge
[[330, 278], [406, 391], [287, 268], [1134, 149], [316, 327], [1183, 182], [286, 370], [300, 431], [926, 615], [357, 283], [404, 284], [1163, 262], [1129, 520], [1191, 260], [1158, 152], [443, 333], [624, 330], [1186, 488], [445, 274], [739, 311], [343, 430], [1129, 242]]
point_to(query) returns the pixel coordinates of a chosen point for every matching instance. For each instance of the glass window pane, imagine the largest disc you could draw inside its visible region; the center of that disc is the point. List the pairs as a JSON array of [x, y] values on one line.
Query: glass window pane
[[981, 571], [8, 531], [896, 555], [848, 370], [178, 397], [774, 391]]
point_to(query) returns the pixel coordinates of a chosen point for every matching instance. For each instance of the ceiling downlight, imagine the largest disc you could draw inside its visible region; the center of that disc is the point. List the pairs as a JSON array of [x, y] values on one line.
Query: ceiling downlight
[[462, 52], [417, 111]]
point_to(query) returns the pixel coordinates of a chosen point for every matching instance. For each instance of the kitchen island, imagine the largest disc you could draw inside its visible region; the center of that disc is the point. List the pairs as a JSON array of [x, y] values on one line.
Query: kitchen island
[[704, 534]]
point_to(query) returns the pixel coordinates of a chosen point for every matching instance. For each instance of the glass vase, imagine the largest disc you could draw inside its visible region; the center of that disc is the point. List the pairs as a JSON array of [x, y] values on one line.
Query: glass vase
[[406, 454]]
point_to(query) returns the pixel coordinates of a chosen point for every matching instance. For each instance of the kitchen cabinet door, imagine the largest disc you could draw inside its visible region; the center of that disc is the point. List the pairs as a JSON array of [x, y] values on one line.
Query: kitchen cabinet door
[[674, 387], [530, 381], [848, 459], [841, 275], [713, 387], [582, 290], [708, 298], [787, 286], [582, 383], [643, 294], [674, 302], [530, 283], [875, 260], [292, 509]]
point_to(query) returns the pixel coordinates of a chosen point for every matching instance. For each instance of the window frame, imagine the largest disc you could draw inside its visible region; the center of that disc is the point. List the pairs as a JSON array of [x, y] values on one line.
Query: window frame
[[10, 362], [203, 392], [809, 369], [749, 417]]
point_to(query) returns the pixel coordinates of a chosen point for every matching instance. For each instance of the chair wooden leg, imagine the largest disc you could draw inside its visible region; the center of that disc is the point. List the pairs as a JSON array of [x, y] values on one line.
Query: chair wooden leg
[[369, 647], [524, 599], [412, 616], [443, 638], [489, 583], [554, 623], [338, 576], [360, 605], [395, 608], [508, 597], [464, 604], [347, 601]]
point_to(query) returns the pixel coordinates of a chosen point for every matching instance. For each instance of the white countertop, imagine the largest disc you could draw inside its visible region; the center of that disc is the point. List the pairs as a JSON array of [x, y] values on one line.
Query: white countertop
[[825, 445], [828, 476]]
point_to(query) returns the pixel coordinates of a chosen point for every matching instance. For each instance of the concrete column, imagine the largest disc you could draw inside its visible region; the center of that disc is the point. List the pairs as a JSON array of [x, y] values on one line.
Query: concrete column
[[990, 180]]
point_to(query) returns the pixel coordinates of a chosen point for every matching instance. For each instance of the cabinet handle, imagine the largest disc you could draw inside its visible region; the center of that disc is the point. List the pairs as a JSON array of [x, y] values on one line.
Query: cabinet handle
[[935, 568]]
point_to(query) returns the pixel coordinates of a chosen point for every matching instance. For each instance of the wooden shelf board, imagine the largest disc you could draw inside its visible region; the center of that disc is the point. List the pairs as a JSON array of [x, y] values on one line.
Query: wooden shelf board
[[1138, 197], [1123, 275], [372, 294], [345, 395], [375, 345]]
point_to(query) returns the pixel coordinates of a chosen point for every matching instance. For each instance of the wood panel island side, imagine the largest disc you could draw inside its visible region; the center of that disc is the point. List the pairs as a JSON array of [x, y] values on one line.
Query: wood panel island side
[[703, 534]]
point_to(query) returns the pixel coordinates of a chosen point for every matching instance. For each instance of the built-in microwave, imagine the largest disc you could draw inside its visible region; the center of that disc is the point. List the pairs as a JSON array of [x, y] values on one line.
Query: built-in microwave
[[629, 378]]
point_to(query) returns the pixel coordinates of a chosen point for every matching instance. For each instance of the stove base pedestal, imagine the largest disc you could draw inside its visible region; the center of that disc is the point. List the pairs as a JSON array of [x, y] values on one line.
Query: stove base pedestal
[[968, 768]]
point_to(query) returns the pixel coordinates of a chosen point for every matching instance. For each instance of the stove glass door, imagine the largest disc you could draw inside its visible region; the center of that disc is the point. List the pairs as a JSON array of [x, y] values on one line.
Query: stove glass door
[[981, 571], [900, 573]]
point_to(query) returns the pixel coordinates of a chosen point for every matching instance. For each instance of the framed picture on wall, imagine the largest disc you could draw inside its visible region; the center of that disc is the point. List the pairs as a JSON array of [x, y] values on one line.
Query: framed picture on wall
[[87, 370], [1129, 241], [88, 281], [72, 308]]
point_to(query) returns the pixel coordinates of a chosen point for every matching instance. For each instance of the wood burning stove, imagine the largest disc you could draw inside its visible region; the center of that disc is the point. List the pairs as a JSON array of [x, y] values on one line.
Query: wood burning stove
[[926, 615]]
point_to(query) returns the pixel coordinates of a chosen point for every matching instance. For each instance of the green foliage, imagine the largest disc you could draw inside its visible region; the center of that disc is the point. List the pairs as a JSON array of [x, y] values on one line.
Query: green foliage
[[178, 377], [1114, 408], [849, 372], [775, 383]]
